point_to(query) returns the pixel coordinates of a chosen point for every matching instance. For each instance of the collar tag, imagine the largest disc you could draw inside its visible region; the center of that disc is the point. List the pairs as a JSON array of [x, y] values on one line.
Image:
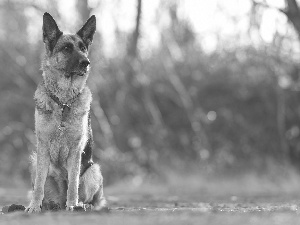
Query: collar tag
[[65, 112]]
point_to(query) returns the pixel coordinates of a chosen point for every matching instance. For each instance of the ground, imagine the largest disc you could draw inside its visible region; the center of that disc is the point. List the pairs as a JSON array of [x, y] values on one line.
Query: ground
[[210, 203]]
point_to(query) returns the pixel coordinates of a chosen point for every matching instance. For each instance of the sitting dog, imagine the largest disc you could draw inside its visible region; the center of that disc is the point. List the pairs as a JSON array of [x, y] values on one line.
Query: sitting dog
[[62, 169]]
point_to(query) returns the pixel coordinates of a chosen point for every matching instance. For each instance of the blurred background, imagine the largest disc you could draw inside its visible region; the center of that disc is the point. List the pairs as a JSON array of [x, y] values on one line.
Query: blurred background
[[209, 88]]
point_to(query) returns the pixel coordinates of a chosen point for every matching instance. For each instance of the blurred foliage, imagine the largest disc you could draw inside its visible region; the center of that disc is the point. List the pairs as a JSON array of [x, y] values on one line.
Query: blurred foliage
[[179, 107]]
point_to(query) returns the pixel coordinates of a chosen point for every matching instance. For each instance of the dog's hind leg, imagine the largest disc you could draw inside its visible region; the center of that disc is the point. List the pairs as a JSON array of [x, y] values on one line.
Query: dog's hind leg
[[99, 201], [91, 188]]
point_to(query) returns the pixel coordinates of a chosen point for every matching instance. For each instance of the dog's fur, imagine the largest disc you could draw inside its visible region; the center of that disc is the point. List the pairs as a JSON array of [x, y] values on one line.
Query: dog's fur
[[62, 169]]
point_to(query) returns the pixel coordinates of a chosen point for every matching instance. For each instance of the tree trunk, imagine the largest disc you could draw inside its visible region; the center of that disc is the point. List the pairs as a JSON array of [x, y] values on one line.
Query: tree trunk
[[83, 10], [293, 14], [132, 51]]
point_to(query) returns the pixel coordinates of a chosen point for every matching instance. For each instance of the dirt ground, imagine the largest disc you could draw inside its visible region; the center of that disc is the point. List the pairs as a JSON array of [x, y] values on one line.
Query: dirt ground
[[149, 204]]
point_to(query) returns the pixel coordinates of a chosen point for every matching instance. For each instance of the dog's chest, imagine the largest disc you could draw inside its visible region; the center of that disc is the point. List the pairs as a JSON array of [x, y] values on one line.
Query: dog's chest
[[59, 150], [62, 129], [63, 136]]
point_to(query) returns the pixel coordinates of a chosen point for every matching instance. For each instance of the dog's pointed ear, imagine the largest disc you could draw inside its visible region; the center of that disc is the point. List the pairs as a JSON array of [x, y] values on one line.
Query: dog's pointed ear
[[51, 33], [88, 30]]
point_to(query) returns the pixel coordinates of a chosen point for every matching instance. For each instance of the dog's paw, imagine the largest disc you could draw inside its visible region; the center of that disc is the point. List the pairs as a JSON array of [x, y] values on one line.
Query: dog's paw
[[77, 208], [33, 208], [71, 205], [88, 207], [70, 208]]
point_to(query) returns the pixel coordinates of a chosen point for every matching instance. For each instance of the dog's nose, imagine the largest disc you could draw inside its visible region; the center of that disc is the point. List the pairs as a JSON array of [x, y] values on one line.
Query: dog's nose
[[84, 63]]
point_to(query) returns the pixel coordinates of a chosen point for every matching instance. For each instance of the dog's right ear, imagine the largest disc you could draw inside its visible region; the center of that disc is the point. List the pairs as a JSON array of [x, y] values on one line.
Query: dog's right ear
[[87, 31], [51, 33]]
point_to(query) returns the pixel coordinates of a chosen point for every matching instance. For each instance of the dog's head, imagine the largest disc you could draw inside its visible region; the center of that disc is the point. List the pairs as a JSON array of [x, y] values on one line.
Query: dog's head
[[67, 54]]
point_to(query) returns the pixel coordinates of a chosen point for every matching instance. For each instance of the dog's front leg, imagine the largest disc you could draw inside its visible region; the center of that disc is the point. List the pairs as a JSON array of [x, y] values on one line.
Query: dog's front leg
[[42, 167], [73, 164]]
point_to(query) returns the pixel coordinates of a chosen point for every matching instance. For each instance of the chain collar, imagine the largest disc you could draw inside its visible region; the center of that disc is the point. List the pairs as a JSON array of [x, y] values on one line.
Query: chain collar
[[64, 107]]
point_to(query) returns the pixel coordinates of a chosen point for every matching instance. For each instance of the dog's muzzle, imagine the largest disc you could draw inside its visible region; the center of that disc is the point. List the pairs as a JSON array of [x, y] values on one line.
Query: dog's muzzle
[[76, 73], [80, 67], [84, 63]]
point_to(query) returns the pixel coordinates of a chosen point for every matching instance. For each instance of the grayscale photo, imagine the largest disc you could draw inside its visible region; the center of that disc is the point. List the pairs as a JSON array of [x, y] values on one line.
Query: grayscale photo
[[130, 112]]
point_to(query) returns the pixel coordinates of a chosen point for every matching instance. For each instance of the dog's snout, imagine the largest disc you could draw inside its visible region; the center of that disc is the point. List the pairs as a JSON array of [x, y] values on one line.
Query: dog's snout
[[84, 63]]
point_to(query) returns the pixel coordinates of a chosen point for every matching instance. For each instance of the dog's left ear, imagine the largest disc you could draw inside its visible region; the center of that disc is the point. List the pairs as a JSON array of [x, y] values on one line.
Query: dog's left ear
[[51, 33], [87, 31]]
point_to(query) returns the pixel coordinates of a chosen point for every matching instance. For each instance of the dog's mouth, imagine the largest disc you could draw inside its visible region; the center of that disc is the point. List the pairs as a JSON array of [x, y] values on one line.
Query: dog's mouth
[[78, 73], [75, 73]]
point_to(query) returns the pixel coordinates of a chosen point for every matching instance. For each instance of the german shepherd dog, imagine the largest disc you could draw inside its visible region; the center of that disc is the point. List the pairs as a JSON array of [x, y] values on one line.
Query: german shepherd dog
[[62, 169]]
